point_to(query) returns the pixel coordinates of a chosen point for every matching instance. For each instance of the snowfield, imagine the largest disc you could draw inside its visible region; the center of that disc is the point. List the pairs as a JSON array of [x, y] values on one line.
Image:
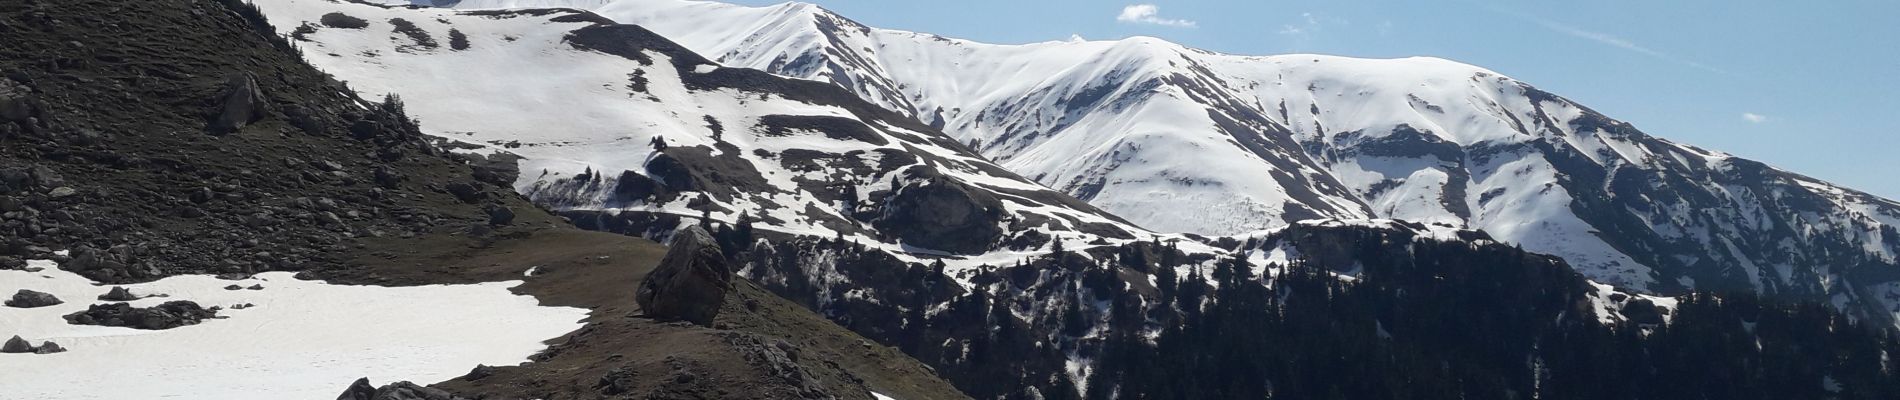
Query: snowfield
[[300, 339]]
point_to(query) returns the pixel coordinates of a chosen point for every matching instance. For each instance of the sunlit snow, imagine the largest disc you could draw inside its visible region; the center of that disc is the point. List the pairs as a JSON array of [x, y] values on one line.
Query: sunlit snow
[[300, 339]]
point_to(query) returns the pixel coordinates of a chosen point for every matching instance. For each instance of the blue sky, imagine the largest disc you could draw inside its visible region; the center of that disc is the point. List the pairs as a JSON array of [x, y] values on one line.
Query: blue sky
[[1813, 87]]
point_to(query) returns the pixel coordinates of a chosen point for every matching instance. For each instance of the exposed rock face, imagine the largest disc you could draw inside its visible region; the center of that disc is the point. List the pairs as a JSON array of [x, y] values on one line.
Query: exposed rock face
[[361, 390], [936, 212], [690, 282], [165, 316], [31, 299], [242, 104]]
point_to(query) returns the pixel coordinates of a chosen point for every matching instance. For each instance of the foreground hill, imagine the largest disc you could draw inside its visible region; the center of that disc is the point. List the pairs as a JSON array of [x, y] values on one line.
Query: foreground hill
[[184, 138]]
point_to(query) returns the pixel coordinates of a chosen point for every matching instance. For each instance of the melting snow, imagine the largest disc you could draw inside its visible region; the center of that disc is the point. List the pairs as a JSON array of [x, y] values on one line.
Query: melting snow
[[300, 340]]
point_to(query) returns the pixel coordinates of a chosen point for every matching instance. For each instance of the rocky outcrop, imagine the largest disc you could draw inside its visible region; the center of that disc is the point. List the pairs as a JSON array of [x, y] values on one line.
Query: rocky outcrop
[[933, 211], [164, 316], [18, 345], [361, 390], [31, 299], [242, 104], [690, 282]]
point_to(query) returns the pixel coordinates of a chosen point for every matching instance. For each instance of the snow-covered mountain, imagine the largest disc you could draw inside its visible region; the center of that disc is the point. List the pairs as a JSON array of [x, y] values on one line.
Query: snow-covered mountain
[[1183, 140], [612, 118], [907, 236]]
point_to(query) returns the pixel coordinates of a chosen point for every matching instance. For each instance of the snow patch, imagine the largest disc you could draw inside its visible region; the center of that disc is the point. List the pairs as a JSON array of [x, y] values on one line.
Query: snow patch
[[300, 339]]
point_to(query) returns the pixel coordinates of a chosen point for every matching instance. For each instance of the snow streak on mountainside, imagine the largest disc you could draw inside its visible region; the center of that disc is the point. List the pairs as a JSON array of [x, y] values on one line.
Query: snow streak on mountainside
[[1184, 140]]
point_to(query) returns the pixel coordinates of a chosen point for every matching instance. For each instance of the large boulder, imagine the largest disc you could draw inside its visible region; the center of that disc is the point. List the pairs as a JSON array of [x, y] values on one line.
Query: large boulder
[[691, 281], [242, 104], [31, 299], [930, 210]]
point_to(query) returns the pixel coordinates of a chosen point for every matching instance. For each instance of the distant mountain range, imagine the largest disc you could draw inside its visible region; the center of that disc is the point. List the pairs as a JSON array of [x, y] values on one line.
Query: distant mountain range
[[1178, 139]]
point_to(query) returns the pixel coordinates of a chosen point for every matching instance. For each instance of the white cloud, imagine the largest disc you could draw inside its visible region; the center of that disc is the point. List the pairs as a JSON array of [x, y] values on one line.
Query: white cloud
[[1150, 14], [1754, 118]]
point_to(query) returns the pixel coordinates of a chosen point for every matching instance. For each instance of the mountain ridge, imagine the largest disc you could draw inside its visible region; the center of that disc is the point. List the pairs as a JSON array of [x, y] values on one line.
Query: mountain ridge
[[1184, 140]]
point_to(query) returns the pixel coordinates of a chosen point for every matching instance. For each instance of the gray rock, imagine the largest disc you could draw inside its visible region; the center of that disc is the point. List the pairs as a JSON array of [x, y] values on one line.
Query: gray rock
[[49, 348], [691, 281], [243, 103], [200, 195], [16, 345], [361, 390], [118, 293], [46, 176], [387, 178], [500, 215], [15, 102], [410, 391], [466, 193], [15, 179], [31, 299]]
